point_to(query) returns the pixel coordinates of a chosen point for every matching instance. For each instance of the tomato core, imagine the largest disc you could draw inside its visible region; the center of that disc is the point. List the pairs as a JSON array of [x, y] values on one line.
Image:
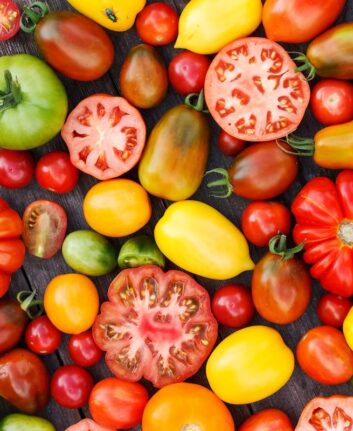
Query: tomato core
[[345, 232]]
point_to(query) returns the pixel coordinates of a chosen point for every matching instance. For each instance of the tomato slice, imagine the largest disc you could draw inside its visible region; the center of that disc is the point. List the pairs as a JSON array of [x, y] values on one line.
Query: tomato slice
[[87, 425], [9, 19], [253, 92], [105, 136], [156, 325]]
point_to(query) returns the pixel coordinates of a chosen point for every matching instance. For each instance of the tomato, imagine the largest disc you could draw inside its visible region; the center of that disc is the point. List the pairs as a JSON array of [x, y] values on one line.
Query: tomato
[[199, 239], [83, 350], [262, 220], [45, 101], [17, 421], [324, 355], [232, 305], [206, 26], [267, 420], [71, 303], [152, 311], [297, 21], [13, 321], [187, 72], [140, 250], [87, 425], [229, 145], [44, 228], [348, 328], [71, 386], [117, 404], [143, 77], [117, 208], [16, 168], [105, 136], [333, 309], [253, 91], [9, 19], [249, 365], [182, 406], [41, 336], [56, 173]]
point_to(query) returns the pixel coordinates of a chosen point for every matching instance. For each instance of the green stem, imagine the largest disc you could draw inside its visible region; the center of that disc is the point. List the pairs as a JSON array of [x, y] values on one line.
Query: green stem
[[278, 245], [198, 106], [32, 14], [301, 146], [307, 66], [12, 95], [27, 301], [224, 188]]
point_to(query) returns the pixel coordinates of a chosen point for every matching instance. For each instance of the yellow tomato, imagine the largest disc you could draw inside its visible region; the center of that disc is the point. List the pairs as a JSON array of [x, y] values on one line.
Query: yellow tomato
[[348, 328], [249, 365], [117, 15], [201, 240], [207, 26], [117, 207], [71, 303]]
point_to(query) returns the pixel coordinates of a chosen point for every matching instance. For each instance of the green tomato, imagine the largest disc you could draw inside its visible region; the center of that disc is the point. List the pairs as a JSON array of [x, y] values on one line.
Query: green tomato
[[138, 251], [89, 253], [33, 102], [20, 422]]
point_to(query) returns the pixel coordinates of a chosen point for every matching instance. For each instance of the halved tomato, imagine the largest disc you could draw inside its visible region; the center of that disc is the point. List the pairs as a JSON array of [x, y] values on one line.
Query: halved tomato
[[253, 91], [105, 136], [9, 19], [156, 325]]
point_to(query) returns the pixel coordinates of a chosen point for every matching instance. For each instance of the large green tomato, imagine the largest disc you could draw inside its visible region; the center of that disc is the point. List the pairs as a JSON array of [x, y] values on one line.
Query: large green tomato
[[33, 102], [20, 422]]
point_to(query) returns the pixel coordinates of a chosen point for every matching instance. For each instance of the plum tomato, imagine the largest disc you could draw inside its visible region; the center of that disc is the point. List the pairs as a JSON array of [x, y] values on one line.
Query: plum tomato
[[41, 336], [16, 168], [333, 309], [83, 350], [267, 420], [229, 145], [9, 19]]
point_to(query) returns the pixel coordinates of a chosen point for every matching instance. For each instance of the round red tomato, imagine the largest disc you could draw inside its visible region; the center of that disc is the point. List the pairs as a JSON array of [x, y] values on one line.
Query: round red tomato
[[117, 404], [325, 356], [187, 72], [267, 420], [105, 136], [16, 167], [262, 220], [332, 101], [71, 386], [229, 145], [253, 91], [9, 19], [83, 350], [333, 309], [56, 173], [232, 305], [42, 336], [157, 24]]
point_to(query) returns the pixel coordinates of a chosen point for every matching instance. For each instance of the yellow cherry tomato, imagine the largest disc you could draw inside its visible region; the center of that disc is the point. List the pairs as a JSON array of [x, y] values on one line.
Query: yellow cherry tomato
[[201, 240], [249, 365], [348, 328], [117, 208], [117, 15], [207, 26], [71, 303]]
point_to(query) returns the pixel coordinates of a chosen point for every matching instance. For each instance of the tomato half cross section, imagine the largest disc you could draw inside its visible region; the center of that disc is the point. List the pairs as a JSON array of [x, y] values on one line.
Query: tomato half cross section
[[105, 136], [156, 325], [253, 91], [9, 19]]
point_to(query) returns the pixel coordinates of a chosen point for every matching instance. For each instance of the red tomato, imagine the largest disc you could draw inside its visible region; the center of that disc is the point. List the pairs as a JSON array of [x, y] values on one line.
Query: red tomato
[[332, 309], [56, 173], [16, 168], [232, 305], [325, 356], [105, 136], [87, 425], [71, 386], [187, 72], [83, 350], [9, 19], [262, 220], [332, 101], [267, 420], [117, 404], [158, 326], [13, 321], [157, 24], [229, 145], [42, 336]]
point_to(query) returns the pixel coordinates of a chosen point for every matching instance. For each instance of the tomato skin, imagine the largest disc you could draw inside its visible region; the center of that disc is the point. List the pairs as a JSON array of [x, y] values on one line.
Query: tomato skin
[[87, 425], [229, 145], [16, 168], [83, 350], [333, 309], [267, 420], [41, 336], [348, 328], [10, 19], [140, 250], [25, 423], [13, 321]]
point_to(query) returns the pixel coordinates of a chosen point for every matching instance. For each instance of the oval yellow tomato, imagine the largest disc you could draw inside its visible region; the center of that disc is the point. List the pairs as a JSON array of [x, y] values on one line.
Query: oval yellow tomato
[[117, 208], [207, 26], [71, 303], [348, 328], [249, 365], [199, 239]]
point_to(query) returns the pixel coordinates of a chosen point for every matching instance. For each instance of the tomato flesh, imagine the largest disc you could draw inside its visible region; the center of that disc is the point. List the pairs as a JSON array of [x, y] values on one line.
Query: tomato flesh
[[9, 19]]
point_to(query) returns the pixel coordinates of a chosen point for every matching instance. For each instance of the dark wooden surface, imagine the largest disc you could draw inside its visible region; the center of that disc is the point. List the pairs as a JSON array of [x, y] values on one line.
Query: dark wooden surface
[[37, 273]]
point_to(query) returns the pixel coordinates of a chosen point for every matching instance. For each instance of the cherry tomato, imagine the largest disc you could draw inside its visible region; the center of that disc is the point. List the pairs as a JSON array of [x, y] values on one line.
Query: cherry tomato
[[333, 309], [16, 168], [187, 72], [83, 350], [71, 386], [332, 101], [9, 19], [42, 336], [55, 172], [157, 24], [232, 306], [262, 220], [267, 420], [229, 145]]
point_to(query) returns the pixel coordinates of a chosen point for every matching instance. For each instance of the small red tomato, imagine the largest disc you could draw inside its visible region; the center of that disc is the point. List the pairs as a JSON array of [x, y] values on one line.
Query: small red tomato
[[42, 336], [71, 386], [157, 24], [9, 19], [332, 101], [83, 350], [16, 167], [187, 72], [56, 173], [267, 420], [333, 309], [262, 220], [232, 305], [229, 145]]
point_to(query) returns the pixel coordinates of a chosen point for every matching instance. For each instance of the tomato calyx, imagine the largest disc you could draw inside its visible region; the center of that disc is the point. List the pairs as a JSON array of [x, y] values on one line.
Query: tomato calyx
[[198, 106], [27, 301], [222, 187], [32, 15], [111, 15], [278, 245], [12, 95], [345, 232], [301, 146], [307, 67]]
